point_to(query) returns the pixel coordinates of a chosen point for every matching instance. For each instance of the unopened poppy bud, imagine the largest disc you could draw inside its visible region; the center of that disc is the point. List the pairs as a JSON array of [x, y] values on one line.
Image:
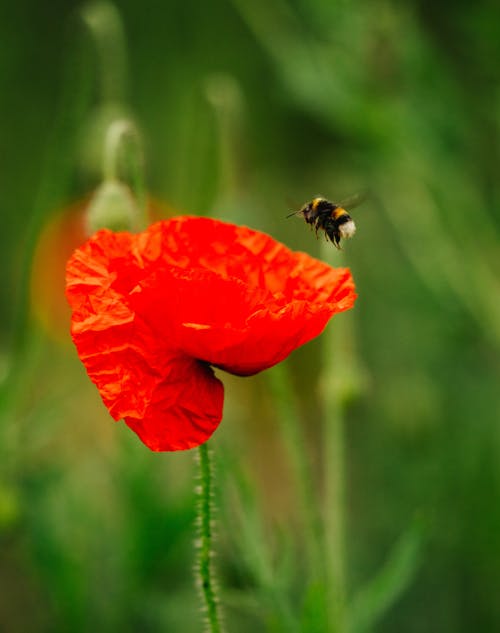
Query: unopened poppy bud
[[112, 207]]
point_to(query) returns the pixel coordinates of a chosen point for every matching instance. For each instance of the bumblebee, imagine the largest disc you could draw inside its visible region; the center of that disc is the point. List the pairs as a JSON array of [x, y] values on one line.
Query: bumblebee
[[330, 217]]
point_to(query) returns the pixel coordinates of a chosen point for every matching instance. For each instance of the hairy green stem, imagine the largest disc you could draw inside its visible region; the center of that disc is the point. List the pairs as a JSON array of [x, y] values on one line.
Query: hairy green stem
[[204, 519]]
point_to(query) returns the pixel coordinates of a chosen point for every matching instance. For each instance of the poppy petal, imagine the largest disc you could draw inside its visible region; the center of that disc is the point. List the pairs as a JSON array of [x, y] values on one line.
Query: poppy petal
[[153, 311]]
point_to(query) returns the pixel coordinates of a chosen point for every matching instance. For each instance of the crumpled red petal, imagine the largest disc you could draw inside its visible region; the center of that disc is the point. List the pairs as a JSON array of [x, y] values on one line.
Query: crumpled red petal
[[153, 311]]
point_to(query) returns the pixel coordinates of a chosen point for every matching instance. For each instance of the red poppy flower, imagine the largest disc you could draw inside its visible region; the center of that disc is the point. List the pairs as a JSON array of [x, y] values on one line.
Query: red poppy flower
[[154, 312]]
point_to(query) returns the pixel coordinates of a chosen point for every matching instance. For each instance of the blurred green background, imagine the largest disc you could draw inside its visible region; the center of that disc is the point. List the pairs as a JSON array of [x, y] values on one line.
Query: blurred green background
[[249, 108]]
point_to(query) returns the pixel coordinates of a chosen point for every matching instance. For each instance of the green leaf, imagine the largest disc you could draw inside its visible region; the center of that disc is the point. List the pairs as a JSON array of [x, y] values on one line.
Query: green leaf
[[374, 600]]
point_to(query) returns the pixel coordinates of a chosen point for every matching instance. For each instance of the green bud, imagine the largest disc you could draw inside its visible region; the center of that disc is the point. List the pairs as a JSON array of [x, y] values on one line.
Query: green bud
[[113, 207]]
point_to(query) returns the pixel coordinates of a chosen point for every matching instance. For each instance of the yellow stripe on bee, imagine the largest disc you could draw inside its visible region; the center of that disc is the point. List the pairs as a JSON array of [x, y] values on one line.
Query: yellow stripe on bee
[[338, 212], [315, 202]]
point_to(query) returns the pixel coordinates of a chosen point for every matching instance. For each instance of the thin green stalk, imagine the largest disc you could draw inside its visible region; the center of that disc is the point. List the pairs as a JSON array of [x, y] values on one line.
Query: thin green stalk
[[123, 145], [105, 25], [340, 380], [295, 441], [116, 135], [334, 517], [204, 568], [116, 205], [224, 95]]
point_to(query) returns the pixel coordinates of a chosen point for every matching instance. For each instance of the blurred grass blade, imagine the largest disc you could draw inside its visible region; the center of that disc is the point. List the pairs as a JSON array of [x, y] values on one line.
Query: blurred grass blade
[[54, 184], [442, 264], [374, 600], [295, 442], [240, 507]]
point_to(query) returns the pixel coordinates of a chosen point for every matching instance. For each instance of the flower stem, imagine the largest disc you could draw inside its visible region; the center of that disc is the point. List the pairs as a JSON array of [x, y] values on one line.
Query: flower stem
[[123, 145], [224, 95], [334, 520], [105, 25], [296, 444], [204, 568], [118, 134], [341, 380]]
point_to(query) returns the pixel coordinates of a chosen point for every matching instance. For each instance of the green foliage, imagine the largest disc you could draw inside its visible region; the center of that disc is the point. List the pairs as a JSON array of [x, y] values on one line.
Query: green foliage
[[248, 108]]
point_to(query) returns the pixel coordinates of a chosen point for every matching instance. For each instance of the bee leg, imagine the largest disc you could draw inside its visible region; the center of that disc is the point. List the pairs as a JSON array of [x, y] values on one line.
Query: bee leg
[[317, 222], [336, 241]]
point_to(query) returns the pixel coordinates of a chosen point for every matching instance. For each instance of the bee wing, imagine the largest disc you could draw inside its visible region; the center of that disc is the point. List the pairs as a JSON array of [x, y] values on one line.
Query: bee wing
[[353, 201]]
